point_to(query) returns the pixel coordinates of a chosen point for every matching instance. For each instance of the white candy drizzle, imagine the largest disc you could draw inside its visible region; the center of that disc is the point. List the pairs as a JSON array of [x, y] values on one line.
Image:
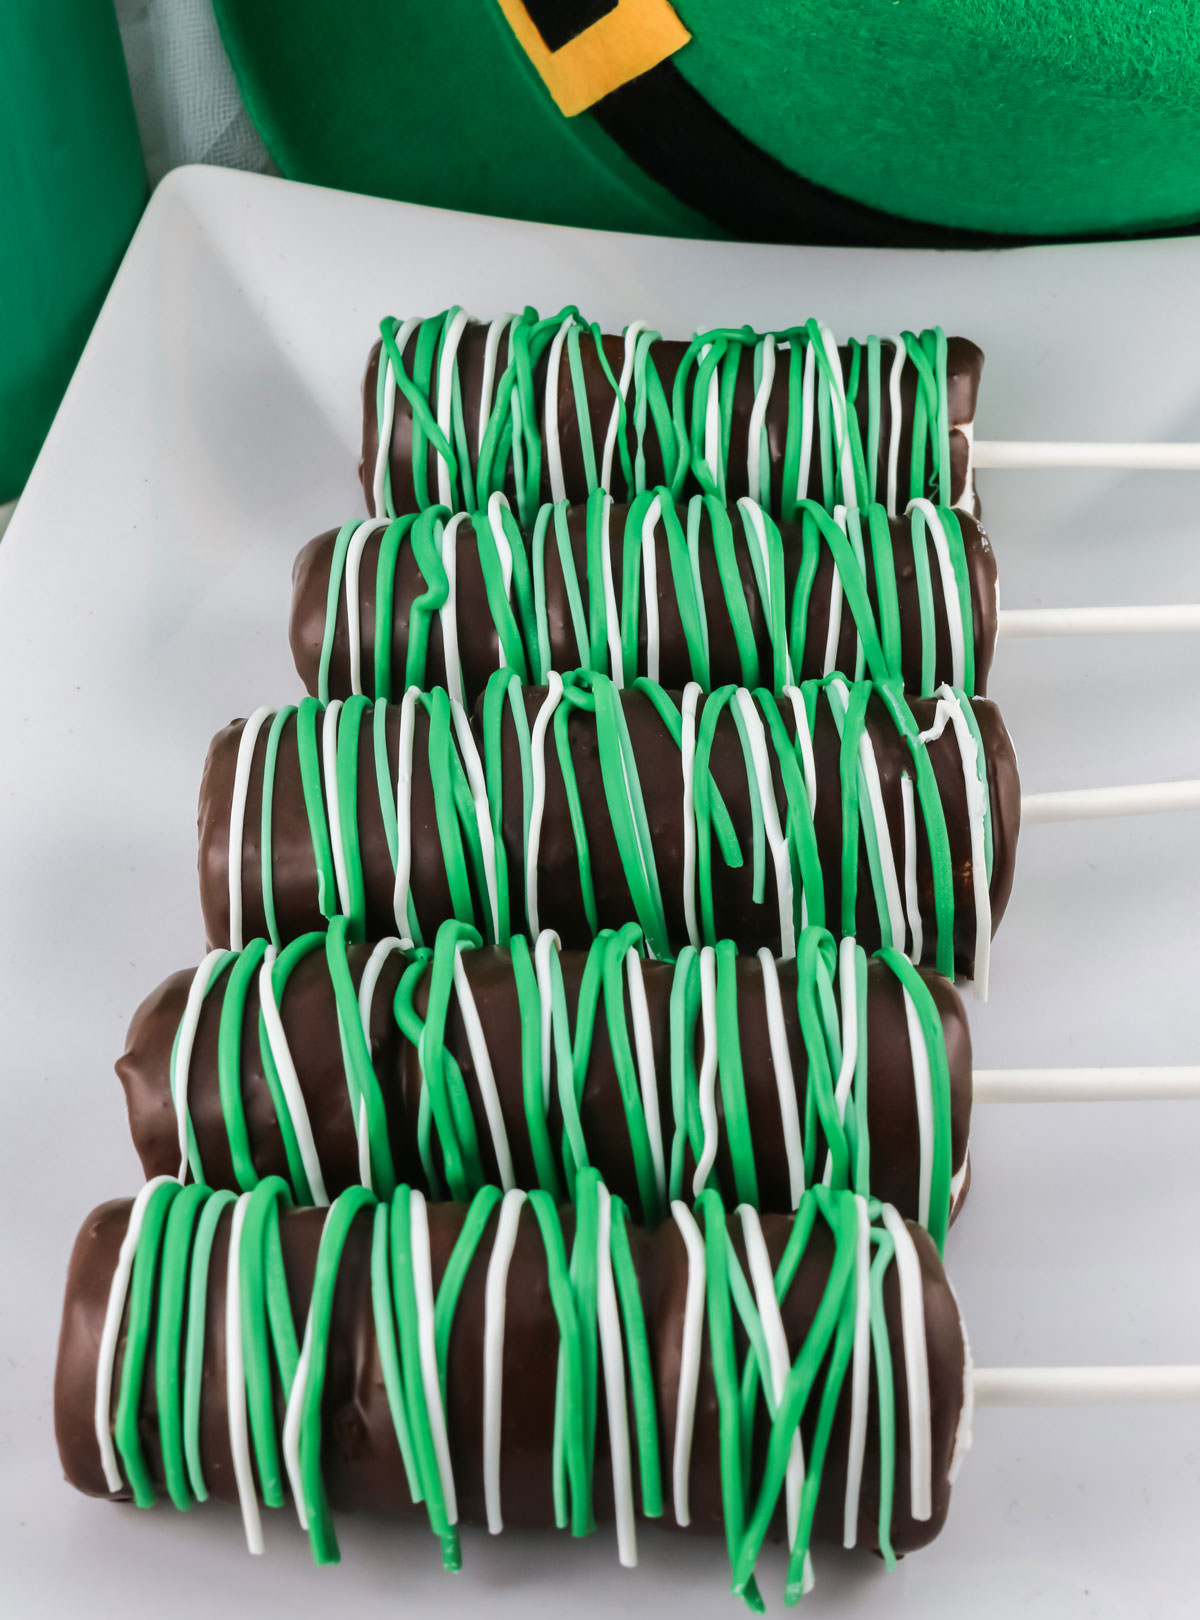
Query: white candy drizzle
[[485, 1075], [912, 898], [495, 1302], [860, 1374], [936, 530], [706, 1083], [447, 378], [848, 1005], [643, 1045], [368, 983], [402, 893], [362, 1135], [353, 576], [894, 422], [690, 1345], [448, 612], [841, 415], [949, 708], [760, 487], [753, 1287], [563, 406], [472, 764], [632, 333], [330, 721], [558, 488], [650, 584], [808, 758], [487, 386], [687, 754], [712, 424], [804, 742], [537, 796], [779, 1362], [916, 1365], [612, 1356], [777, 841], [235, 1384], [755, 529], [833, 635], [497, 506], [422, 1270], [289, 1080], [785, 1078], [422, 1276], [544, 946], [237, 819], [808, 388], [107, 1353], [185, 1041], [292, 1417]]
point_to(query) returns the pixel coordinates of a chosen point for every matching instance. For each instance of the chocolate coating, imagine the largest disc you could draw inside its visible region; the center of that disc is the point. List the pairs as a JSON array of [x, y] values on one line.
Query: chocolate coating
[[738, 916], [294, 867], [964, 366], [360, 1457], [310, 1021], [479, 645]]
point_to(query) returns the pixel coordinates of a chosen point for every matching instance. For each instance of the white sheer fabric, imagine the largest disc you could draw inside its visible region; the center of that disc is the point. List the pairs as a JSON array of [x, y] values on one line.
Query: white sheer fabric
[[188, 105]]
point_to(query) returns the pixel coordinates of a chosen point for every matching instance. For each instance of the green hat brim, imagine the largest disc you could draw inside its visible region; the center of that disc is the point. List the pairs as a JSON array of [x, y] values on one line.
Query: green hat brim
[[435, 103], [1006, 116]]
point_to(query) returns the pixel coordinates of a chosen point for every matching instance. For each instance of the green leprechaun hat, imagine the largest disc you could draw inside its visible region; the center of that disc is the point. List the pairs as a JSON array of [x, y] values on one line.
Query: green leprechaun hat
[[935, 122]]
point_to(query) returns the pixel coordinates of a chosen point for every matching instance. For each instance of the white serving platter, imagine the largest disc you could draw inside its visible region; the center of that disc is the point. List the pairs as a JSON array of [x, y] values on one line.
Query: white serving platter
[[210, 429]]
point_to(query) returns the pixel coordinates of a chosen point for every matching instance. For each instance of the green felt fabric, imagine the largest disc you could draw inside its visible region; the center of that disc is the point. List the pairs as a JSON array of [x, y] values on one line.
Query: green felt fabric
[[1048, 117], [433, 103], [1045, 117], [72, 187]]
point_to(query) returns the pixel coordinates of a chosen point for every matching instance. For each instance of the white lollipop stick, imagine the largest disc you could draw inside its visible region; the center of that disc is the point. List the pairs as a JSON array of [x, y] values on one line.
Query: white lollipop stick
[[1147, 1083], [1090, 804], [1099, 621], [1013, 453], [1085, 1386]]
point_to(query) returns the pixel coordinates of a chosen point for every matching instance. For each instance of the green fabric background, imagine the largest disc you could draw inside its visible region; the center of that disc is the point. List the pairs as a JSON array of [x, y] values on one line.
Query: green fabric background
[[1052, 117], [1047, 117], [72, 185]]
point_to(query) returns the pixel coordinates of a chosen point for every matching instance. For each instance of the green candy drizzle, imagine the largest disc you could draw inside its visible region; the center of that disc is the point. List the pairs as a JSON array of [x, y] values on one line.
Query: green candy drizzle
[[329, 772], [595, 698], [688, 430], [758, 1419], [606, 590], [600, 1029]]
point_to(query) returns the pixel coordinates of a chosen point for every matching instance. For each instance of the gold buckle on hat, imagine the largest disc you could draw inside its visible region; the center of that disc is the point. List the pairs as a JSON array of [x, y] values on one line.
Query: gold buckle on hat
[[626, 42]]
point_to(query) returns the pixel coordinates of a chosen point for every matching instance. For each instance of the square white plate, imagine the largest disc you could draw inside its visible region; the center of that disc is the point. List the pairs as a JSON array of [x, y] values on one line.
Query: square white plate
[[211, 428]]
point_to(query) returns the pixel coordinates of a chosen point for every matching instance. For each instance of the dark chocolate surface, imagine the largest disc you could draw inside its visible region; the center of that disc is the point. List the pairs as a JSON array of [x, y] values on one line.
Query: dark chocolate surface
[[479, 646], [751, 924], [310, 1021], [293, 863], [360, 1456], [738, 916], [964, 365]]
